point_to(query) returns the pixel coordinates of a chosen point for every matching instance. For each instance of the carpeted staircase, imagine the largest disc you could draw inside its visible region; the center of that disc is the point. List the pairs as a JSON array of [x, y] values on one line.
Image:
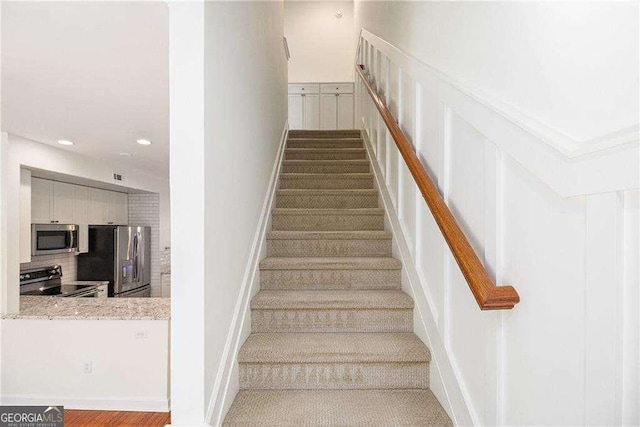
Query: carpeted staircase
[[332, 341]]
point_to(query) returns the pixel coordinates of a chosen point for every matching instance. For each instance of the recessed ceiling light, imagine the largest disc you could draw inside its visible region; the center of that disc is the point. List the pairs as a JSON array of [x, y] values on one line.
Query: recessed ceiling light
[[65, 142], [143, 142]]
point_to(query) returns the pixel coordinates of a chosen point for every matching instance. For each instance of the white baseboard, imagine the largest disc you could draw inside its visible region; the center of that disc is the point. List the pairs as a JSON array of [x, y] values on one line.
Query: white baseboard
[[227, 385], [443, 380], [93, 403]]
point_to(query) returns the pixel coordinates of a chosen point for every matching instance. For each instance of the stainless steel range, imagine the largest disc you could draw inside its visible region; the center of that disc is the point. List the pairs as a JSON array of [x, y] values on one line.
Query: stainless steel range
[[47, 282]]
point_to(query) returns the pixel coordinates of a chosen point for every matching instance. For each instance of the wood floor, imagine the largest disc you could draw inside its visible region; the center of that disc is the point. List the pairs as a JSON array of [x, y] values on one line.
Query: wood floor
[[74, 418]]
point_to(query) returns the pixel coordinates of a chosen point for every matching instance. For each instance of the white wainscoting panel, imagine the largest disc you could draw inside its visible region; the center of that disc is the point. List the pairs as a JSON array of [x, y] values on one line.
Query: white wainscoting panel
[[561, 226]]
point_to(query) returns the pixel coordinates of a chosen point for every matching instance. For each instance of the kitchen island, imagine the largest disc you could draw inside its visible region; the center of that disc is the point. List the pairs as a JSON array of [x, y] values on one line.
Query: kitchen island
[[87, 353], [52, 308]]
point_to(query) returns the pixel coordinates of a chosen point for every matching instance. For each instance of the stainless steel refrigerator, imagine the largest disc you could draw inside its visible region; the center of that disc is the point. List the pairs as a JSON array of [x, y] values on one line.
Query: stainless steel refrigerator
[[121, 255]]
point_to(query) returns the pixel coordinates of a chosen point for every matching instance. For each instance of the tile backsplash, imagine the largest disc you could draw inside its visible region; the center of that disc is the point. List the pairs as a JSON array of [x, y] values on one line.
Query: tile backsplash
[[165, 261], [67, 261]]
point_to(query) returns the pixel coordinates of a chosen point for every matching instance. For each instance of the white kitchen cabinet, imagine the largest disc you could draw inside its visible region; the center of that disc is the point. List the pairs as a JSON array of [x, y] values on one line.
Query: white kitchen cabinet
[[53, 202], [97, 206], [329, 111], [296, 112], [337, 106], [304, 111], [118, 212], [41, 201], [81, 217], [63, 202], [25, 215], [304, 106], [345, 111], [108, 207], [321, 106], [311, 111]]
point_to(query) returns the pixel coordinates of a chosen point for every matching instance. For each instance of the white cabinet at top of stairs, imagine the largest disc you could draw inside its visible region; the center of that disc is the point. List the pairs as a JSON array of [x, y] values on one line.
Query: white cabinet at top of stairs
[[321, 106]]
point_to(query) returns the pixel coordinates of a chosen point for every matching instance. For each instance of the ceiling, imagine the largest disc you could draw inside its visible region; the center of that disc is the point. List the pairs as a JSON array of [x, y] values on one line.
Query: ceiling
[[95, 73]]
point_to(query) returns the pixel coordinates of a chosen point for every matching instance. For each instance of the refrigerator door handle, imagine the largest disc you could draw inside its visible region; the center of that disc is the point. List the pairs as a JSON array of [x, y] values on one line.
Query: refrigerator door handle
[[135, 257]]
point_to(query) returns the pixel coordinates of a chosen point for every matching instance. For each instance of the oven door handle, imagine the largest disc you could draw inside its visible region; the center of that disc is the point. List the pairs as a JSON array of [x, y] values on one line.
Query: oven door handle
[[87, 293]]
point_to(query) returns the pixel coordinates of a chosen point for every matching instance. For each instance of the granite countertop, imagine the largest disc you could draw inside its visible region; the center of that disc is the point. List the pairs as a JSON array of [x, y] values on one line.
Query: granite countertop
[[41, 307]]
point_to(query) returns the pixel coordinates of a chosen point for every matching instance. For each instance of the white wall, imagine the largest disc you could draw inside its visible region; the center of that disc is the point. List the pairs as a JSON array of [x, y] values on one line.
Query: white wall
[[246, 105], [186, 70], [320, 44], [25, 153], [543, 58], [228, 112], [42, 364], [562, 230]]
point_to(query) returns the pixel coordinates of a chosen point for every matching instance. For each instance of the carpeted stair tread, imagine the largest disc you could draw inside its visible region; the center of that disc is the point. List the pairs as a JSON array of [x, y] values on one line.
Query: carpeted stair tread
[[336, 408], [313, 198], [325, 153], [326, 191], [325, 143], [326, 180], [332, 150], [327, 162], [333, 348], [330, 235], [302, 140], [347, 175], [345, 212], [344, 133], [325, 166], [331, 300], [330, 263]]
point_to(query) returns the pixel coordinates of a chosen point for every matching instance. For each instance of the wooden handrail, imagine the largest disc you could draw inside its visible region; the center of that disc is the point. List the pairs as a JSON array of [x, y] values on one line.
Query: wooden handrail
[[487, 294]]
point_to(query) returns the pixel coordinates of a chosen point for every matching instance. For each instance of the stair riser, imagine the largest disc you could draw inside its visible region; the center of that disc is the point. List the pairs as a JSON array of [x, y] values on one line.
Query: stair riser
[[329, 182], [324, 143], [325, 155], [310, 201], [329, 279], [328, 248], [325, 320], [328, 222], [317, 167], [331, 376], [324, 134]]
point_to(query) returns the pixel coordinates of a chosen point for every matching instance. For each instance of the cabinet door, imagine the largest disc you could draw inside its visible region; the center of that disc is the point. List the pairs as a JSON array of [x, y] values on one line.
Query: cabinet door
[[81, 217], [311, 112], [328, 111], [296, 109], [41, 201], [345, 111], [98, 203], [25, 216], [119, 209], [63, 200]]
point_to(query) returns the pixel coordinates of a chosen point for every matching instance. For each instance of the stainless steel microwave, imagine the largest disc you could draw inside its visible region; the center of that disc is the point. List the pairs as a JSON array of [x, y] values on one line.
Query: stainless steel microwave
[[53, 238]]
